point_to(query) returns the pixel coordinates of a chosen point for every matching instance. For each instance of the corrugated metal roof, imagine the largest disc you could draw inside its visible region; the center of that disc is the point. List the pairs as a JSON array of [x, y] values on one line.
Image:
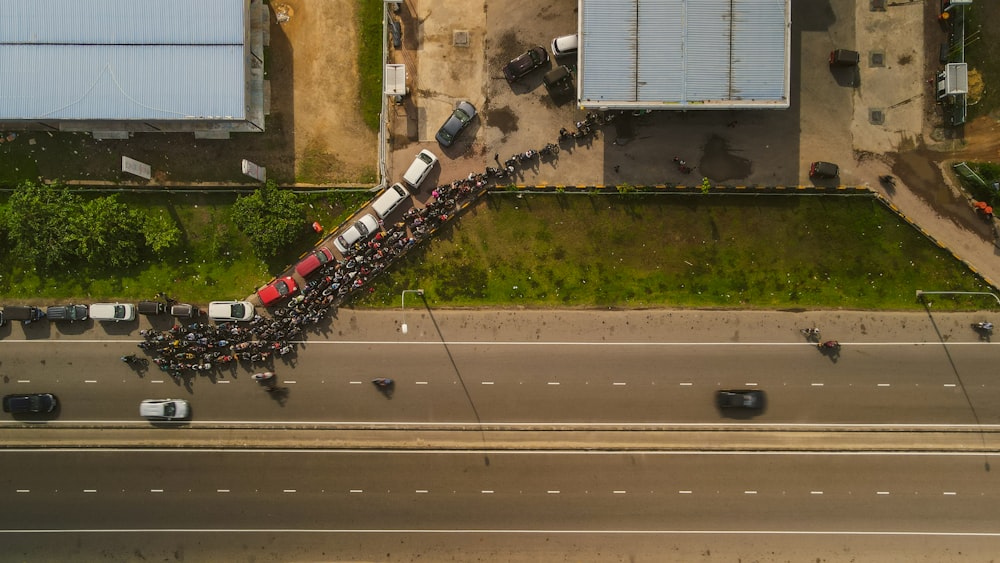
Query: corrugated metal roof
[[685, 53], [122, 59]]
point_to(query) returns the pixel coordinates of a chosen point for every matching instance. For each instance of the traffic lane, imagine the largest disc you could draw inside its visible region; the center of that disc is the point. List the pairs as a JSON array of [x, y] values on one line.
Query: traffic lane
[[534, 383], [497, 491]]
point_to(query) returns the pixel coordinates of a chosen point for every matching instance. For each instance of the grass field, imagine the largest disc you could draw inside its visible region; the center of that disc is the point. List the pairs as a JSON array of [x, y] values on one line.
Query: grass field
[[213, 261], [691, 251]]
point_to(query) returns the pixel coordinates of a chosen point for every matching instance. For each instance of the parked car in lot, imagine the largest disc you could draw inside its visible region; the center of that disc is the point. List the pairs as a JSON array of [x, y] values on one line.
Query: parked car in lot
[[459, 120], [115, 312], [277, 290], [164, 409], [820, 169], [24, 313], [151, 307], [390, 200], [524, 64], [184, 311], [30, 403], [844, 57], [67, 313], [311, 263], [230, 310], [565, 45], [421, 167], [360, 230], [740, 399]]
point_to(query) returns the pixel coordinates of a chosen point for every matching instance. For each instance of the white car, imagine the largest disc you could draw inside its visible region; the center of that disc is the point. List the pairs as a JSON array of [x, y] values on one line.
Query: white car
[[112, 312], [420, 168], [165, 409], [231, 310], [362, 229]]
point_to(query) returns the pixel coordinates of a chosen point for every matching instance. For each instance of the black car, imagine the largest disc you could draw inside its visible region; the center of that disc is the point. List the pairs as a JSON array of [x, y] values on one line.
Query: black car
[[67, 313], [30, 403], [844, 57], [459, 120], [822, 169], [521, 66], [740, 399]]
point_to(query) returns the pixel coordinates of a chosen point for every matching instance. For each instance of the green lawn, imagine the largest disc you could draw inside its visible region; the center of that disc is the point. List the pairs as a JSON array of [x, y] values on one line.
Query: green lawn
[[678, 251], [213, 260]]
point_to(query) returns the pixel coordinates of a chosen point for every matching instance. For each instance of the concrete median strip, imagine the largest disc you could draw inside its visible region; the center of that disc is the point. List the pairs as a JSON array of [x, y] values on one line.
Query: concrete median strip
[[592, 440]]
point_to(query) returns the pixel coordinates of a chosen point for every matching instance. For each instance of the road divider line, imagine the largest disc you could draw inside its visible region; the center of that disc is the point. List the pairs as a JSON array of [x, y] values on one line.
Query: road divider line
[[226, 381], [552, 492], [618, 492], [686, 384], [157, 381], [156, 490], [619, 383], [884, 384], [816, 384], [486, 492], [749, 492], [815, 492], [420, 382], [421, 491], [90, 381], [289, 381], [288, 490], [553, 383], [24, 381], [950, 385], [486, 382], [949, 493], [750, 384], [23, 490], [222, 490], [354, 382], [683, 492], [882, 492], [356, 491]]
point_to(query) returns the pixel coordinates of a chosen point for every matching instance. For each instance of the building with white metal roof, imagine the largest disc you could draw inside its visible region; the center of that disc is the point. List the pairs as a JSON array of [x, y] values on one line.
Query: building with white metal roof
[[113, 67], [684, 54]]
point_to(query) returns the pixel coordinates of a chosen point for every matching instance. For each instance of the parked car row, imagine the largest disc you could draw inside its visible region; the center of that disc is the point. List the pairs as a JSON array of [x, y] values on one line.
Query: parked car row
[[118, 312]]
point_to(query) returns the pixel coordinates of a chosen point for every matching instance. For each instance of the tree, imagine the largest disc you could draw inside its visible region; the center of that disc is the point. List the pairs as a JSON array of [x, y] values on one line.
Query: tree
[[160, 231], [271, 218], [44, 225], [113, 233]]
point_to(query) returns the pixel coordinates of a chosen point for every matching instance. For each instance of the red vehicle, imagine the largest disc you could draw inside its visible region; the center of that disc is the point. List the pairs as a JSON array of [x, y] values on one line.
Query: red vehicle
[[311, 263], [277, 290]]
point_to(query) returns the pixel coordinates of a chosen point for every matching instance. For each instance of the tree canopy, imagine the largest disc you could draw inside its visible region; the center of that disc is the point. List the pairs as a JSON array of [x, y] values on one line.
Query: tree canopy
[[270, 218]]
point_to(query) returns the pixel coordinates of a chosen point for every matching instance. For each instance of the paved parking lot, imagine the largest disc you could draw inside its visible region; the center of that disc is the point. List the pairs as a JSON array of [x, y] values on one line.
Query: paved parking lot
[[827, 120]]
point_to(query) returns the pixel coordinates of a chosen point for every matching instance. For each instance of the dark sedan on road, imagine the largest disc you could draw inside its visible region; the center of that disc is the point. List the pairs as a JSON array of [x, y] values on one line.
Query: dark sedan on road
[[740, 399], [67, 313], [30, 403], [459, 120], [521, 66]]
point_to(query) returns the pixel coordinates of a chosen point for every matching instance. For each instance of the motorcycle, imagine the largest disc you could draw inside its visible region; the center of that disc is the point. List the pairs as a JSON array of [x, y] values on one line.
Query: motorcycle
[[984, 326], [810, 332], [383, 382], [549, 149], [135, 361], [829, 345], [263, 376]]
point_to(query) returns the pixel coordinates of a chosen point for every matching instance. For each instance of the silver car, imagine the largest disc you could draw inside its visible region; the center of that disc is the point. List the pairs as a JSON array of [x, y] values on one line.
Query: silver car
[[362, 229], [164, 409]]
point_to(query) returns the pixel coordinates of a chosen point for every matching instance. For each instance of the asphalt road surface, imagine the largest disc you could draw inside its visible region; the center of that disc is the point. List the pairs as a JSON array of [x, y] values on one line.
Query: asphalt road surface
[[663, 500], [535, 382]]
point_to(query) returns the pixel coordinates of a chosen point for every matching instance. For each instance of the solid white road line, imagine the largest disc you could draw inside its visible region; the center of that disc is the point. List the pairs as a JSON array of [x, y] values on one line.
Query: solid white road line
[[439, 532]]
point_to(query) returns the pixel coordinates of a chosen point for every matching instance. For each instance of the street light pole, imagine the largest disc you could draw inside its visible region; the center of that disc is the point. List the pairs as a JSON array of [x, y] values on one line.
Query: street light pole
[[921, 293], [403, 328]]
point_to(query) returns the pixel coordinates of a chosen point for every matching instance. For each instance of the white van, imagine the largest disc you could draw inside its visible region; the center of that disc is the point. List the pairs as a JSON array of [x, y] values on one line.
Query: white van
[[565, 45], [421, 167], [362, 229], [389, 200], [112, 312]]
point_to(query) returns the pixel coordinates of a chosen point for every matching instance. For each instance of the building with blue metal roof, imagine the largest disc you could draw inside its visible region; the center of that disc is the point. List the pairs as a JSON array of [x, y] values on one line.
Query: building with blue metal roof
[[684, 54], [115, 67]]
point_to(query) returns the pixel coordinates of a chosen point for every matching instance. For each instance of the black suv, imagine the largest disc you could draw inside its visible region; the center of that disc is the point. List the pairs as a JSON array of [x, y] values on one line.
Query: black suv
[[67, 313], [30, 403], [521, 66]]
